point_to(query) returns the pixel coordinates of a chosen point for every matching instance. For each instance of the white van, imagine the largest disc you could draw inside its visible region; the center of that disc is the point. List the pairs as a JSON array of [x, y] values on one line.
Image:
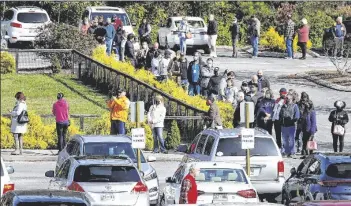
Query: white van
[[108, 12]]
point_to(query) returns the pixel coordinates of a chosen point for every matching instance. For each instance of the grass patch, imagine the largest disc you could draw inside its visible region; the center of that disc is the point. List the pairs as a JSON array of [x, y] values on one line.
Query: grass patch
[[41, 91]]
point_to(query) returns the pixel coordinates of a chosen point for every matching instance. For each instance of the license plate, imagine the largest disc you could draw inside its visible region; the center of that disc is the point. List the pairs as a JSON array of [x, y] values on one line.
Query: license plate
[[220, 197], [107, 197]]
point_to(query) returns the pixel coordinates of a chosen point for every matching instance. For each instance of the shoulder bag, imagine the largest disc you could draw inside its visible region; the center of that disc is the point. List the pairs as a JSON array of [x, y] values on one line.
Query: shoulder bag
[[23, 117], [338, 129]]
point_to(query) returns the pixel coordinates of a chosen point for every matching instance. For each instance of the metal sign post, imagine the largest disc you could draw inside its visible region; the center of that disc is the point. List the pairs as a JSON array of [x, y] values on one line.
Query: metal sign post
[[247, 125], [138, 134]]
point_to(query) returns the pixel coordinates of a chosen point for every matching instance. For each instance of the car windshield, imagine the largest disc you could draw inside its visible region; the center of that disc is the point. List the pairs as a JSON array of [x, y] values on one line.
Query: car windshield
[[123, 17], [112, 148], [192, 23], [102, 173], [32, 17], [221, 175], [339, 170], [50, 204], [232, 147]]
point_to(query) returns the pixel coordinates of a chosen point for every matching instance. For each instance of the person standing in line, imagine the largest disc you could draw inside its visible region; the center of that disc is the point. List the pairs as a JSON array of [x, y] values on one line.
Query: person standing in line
[[289, 37], [206, 73], [234, 29], [150, 55], [60, 110], [339, 33], [156, 117], [231, 93], [119, 107], [245, 88], [194, 75], [122, 47], [289, 114], [183, 67], [265, 112], [173, 68], [188, 189], [296, 97], [303, 37], [304, 103], [263, 83], [254, 34], [100, 33], [142, 54], [276, 118], [236, 119], [254, 80], [110, 36], [164, 65], [85, 27], [214, 85], [183, 30], [339, 119], [17, 129], [117, 22], [129, 50], [212, 30], [94, 25], [213, 117], [144, 32]]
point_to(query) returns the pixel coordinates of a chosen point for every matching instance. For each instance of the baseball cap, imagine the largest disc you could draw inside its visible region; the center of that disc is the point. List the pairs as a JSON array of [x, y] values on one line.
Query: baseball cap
[[282, 90]]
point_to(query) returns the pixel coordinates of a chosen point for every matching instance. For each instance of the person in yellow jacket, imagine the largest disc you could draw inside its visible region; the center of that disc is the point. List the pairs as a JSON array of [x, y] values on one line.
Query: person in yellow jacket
[[119, 107]]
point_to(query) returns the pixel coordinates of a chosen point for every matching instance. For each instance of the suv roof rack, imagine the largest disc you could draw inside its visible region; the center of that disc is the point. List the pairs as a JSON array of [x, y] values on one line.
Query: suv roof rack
[[104, 157]]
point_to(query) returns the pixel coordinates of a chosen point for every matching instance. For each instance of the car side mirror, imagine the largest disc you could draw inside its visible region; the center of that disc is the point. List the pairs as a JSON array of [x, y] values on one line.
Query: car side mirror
[[50, 173], [151, 159], [170, 180], [134, 24], [293, 171], [10, 169]]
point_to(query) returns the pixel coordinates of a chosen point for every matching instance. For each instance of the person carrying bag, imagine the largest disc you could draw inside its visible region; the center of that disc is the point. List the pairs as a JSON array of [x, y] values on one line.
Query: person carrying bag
[[339, 119], [19, 122]]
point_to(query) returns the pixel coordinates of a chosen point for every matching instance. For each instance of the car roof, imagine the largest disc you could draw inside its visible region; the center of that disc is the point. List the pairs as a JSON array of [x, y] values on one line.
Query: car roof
[[102, 160], [224, 133], [28, 8], [106, 9], [49, 195], [335, 157], [213, 164], [188, 18], [105, 138]]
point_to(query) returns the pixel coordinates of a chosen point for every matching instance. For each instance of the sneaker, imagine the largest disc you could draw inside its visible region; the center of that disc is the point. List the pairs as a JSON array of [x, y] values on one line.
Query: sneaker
[[288, 58], [165, 152]]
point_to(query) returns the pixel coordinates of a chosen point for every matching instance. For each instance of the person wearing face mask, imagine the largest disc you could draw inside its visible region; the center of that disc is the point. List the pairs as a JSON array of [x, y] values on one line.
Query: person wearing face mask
[[156, 117], [276, 119], [206, 73], [94, 25], [307, 124], [194, 75], [142, 54], [339, 119], [61, 112], [288, 116], [213, 117], [263, 83], [254, 95], [151, 54], [85, 26], [212, 30], [183, 30], [119, 107], [245, 88], [236, 119], [265, 112], [100, 33], [18, 129], [188, 189], [231, 93]]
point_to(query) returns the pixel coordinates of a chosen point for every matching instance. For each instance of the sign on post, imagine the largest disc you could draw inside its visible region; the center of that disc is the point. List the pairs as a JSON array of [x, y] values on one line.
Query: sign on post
[[138, 138], [137, 111], [247, 138], [251, 112]]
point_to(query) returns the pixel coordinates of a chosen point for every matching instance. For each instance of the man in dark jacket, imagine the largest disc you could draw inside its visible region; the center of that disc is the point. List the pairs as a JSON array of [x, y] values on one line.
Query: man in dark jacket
[[213, 117], [92, 28], [100, 33], [129, 50], [144, 32], [276, 118], [265, 112], [235, 31], [236, 119], [263, 83], [206, 73], [215, 81], [151, 54], [183, 68], [212, 30], [338, 118], [288, 116], [194, 75]]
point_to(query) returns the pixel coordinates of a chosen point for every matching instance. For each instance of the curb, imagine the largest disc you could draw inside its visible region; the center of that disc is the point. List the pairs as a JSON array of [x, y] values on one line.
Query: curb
[[324, 83], [313, 54]]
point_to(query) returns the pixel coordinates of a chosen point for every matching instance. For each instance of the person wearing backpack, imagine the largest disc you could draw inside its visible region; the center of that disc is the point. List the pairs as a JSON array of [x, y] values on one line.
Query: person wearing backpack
[[339, 119], [18, 126], [339, 33], [60, 110]]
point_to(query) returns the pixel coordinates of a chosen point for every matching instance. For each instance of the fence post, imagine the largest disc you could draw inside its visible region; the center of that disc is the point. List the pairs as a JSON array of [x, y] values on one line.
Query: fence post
[[72, 59], [17, 56], [81, 123], [79, 70]]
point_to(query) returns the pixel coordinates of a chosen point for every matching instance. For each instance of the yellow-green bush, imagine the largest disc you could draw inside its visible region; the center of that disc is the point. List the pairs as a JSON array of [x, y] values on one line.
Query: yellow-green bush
[[39, 135], [7, 63], [275, 42]]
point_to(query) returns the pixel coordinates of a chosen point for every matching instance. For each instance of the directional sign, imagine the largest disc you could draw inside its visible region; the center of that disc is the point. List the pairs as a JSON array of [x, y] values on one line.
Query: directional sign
[[251, 112], [138, 138], [247, 138]]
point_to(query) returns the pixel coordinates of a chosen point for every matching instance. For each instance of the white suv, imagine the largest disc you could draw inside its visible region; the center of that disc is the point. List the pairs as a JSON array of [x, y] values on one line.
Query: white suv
[[21, 23]]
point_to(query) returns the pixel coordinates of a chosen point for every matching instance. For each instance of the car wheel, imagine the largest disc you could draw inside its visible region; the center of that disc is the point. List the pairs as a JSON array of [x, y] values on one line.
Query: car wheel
[[207, 50], [285, 198], [271, 199]]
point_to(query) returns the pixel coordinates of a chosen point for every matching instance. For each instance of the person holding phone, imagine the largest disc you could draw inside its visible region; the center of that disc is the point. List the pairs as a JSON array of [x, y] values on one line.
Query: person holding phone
[[119, 107]]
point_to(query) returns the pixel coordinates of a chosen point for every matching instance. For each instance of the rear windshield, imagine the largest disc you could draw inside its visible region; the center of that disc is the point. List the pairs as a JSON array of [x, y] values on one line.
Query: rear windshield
[[96, 173], [193, 24], [50, 204], [221, 175], [32, 17], [232, 147], [112, 148], [341, 170], [123, 17]]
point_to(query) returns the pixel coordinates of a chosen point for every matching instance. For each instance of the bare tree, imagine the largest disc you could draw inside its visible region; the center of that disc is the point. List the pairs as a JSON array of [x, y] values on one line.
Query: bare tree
[[342, 63]]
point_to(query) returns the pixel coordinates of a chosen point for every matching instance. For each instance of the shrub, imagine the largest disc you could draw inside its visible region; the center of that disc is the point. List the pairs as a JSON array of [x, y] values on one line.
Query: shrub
[[173, 138], [7, 63]]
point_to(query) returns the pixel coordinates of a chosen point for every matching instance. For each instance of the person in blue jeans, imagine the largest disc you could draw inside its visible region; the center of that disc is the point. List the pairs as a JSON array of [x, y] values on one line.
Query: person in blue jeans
[[254, 33], [289, 36], [288, 116], [110, 36], [194, 75], [183, 29]]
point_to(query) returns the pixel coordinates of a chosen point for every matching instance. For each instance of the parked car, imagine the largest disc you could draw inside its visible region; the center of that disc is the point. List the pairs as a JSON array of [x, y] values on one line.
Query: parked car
[[6, 183], [106, 180], [267, 166], [44, 198], [21, 23], [217, 182], [321, 176], [81, 145], [168, 34]]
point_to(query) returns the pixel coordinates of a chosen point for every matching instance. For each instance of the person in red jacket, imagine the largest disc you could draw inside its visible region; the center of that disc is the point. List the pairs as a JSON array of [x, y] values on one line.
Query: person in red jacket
[[303, 34], [188, 190]]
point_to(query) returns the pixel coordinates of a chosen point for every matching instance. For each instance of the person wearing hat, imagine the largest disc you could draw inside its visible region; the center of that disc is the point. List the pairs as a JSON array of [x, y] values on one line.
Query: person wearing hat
[[129, 49], [60, 110], [119, 107], [234, 29], [339, 119], [276, 118], [110, 36], [213, 117], [265, 112], [156, 117], [289, 36]]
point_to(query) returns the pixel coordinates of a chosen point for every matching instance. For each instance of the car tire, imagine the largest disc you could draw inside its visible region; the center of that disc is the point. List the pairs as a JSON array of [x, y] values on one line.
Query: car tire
[[207, 50], [271, 199], [285, 198]]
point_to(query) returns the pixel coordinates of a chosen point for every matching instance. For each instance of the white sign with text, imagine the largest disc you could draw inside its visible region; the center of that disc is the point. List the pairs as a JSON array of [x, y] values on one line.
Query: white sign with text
[[247, 138], [138, 138]]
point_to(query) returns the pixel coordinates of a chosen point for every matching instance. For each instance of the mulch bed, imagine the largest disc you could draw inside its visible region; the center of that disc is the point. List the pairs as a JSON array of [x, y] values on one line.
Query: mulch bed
[[332, 77]]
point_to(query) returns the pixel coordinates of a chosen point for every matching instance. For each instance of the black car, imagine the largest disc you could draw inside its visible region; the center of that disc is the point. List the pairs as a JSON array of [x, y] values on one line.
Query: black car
[[328, 37], [320, 176], [44, 198]]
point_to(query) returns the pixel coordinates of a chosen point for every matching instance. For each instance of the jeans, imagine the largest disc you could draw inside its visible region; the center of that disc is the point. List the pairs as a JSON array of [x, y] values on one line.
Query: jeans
[[289, 47], [182, 42], [212, 44], [117, 127], [288, 134], [194, 89], [159, 143], [109, 46], [254, 43], [337, 138], [61, 129], [298, 140], [235, 49], [278, 133], [205, 92]]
